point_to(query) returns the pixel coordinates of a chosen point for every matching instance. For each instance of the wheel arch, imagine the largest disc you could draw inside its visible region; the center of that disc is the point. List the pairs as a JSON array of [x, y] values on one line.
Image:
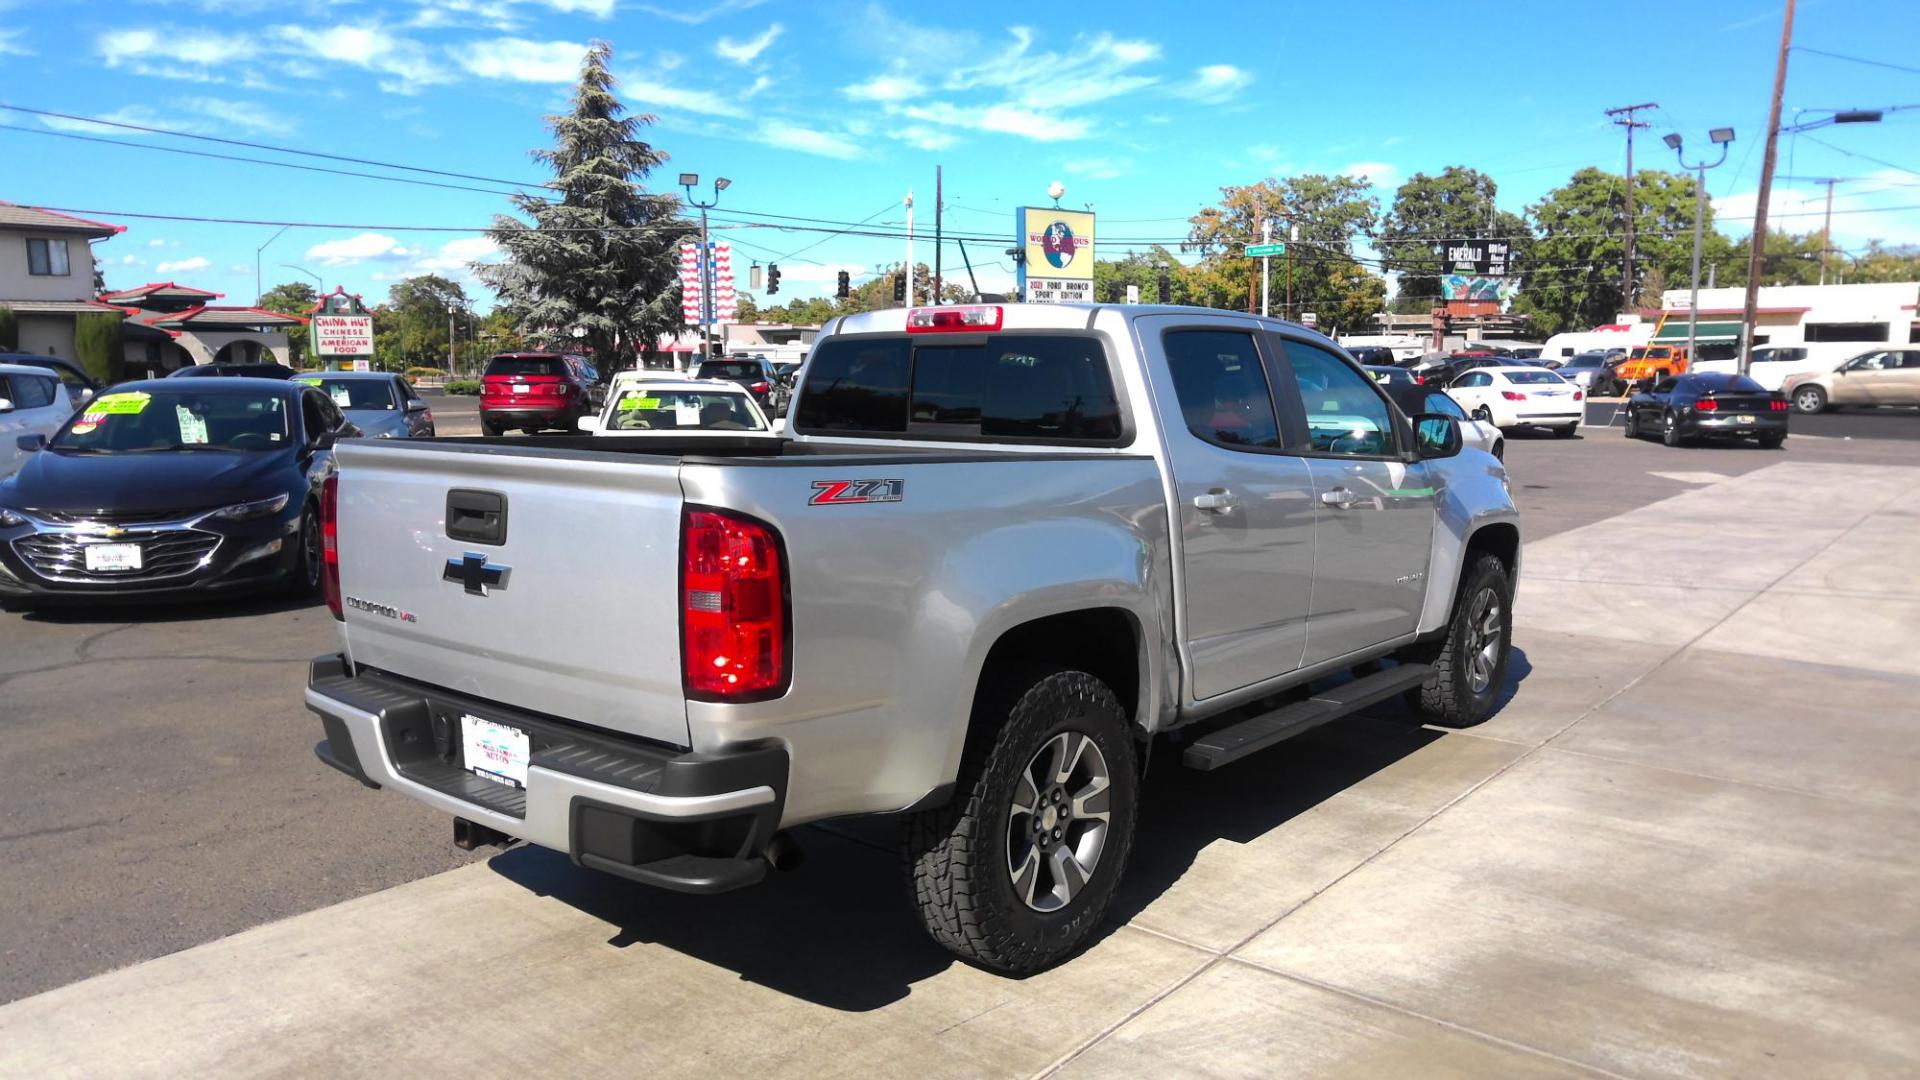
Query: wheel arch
[[1105, 642]]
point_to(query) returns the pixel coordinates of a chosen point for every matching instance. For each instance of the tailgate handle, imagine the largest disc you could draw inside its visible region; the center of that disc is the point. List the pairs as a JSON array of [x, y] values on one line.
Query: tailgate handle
[[477, 517]]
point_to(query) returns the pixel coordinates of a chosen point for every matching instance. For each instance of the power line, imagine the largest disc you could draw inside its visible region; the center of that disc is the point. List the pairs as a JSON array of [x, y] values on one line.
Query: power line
[[1862, 157], [249, 160], [1857, 59], [266, 146]]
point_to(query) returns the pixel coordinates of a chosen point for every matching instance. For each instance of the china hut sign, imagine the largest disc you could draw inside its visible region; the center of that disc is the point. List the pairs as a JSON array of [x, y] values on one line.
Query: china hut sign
[[341, 327]]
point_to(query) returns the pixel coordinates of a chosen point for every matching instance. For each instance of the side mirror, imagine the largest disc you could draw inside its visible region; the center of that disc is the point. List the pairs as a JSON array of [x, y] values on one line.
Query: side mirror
[[6, 404], [416, 405], [1436, 436], [588, 423], [31, 443], [326, 440], [82, 395]]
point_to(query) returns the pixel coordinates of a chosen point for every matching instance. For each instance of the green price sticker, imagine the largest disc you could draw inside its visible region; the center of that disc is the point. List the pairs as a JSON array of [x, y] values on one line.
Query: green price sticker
[[632, 404], [117, 404]]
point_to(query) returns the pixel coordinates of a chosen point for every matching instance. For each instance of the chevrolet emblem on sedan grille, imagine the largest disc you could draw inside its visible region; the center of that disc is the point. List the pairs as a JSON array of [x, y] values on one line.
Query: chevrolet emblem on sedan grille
[[477, 574]]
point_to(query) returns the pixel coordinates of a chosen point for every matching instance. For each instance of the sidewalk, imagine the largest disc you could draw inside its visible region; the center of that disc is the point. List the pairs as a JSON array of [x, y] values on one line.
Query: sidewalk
[[1684, 846]]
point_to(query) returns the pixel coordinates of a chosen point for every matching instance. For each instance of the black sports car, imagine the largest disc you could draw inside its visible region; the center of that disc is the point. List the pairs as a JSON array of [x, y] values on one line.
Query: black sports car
[[1709, 406], [172, 486]]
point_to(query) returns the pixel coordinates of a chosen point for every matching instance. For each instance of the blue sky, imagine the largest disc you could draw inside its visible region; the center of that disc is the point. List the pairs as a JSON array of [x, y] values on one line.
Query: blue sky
[[835, 110]]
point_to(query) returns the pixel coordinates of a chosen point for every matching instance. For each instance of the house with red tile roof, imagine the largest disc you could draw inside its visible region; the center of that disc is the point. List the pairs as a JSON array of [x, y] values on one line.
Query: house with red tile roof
[[171, 326], [46, 275]]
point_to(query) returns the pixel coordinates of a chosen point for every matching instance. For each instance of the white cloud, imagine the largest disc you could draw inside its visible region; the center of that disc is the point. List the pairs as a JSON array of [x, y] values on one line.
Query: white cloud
[[1378, 173], [131, 260], [376, 48], [924, 137], [183, 265], [234, 114], [806, 140], [190, 55], [746, 52], [760, 82], [522, 60], [683, 14], [132, 114], [471, 249], [465, 14], [1855, 217], [1004, 119], [10, 43], [1215, 84], [367, 245], [599, 9], [640, 90], [1097, 168], [886, 88]]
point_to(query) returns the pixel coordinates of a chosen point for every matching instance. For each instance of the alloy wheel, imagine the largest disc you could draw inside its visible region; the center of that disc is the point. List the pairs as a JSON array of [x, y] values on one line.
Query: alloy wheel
[[1483, 640], [312, 549], [1057, 826]]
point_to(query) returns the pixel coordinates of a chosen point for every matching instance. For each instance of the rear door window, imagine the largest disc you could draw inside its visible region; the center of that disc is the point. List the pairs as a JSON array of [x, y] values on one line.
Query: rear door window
[[32, 391], [1222, 387], [1007, 387]]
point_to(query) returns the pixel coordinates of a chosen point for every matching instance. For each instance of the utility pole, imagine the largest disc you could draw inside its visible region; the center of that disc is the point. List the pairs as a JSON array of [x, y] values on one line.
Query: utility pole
[[1266, 237], [1757, 255], [1826, 231], [1623, 116], [909, 201], [1293, 237], [450, 349], [689, 181], [939, 206]]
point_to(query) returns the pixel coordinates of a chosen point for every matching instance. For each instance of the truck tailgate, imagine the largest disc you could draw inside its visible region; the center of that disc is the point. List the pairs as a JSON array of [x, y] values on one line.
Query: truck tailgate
[[582, 623]]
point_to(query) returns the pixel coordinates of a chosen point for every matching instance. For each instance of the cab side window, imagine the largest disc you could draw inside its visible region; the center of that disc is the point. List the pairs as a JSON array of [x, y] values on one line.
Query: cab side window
[[311, 416], [1222, 388], [1345, 413], [32, 392]]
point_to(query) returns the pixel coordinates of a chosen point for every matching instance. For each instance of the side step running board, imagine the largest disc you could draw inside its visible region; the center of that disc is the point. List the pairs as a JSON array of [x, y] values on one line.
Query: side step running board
[[1235, 741]]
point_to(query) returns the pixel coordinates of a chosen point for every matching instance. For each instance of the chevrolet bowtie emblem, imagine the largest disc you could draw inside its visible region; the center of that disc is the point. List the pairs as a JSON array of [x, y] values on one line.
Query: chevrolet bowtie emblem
[[473, 571], [113, 530]]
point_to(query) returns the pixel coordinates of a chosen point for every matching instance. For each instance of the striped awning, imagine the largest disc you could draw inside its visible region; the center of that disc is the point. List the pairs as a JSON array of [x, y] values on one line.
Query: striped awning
[[1676, 332]]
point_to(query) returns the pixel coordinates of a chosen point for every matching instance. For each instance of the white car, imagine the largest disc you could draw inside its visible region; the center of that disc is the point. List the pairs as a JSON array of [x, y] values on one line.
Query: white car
[[641, 407], [1520, 397], [32, 402]]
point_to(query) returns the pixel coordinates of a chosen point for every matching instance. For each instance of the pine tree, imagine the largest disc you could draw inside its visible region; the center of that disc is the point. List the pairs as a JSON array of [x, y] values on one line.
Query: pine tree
[[602, 257]]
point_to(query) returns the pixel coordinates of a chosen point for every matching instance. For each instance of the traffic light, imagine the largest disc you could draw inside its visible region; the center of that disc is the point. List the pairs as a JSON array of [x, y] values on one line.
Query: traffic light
[[845, 288], [773, 278], [1166, 286], [900, 288]]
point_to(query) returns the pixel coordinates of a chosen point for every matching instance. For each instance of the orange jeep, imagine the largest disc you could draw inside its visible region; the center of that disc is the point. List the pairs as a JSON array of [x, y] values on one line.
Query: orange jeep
[[1648, 364]]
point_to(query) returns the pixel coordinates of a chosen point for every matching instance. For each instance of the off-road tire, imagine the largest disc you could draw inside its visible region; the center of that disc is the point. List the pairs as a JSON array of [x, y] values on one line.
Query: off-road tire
[[955, 856], [1447, 696]]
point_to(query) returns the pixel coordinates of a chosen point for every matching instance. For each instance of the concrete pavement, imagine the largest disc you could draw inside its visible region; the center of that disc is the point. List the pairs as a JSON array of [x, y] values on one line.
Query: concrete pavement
[[1683, 846]]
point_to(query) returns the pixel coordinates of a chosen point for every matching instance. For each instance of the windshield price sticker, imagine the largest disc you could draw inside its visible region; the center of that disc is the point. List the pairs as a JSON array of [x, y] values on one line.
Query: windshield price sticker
[[630, 404], [193, 429], [116, 405]]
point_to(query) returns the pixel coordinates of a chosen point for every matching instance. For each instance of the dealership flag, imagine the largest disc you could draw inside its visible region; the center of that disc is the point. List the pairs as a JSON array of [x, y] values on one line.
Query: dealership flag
[[725, 300]]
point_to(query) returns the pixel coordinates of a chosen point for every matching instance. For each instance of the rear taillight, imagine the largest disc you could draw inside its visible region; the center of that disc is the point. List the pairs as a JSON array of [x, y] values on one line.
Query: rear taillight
[[966, 319], [1511, 395], [733, 608], [1578, 396], [1419, 381], [1776, 405], [1706, 405], [759, 388], [330, 544]]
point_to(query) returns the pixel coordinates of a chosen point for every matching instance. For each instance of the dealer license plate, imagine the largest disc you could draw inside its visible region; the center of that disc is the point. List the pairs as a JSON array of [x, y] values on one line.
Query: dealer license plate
[[493, 751], [1743, 419], [519, 388], [110, 558]]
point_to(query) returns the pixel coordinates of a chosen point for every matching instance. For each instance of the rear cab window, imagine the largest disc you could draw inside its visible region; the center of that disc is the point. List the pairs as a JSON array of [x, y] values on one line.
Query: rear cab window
[[1040, 388]]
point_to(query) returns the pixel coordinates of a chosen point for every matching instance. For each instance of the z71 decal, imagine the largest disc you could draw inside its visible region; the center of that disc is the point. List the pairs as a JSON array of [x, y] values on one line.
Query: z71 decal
[[847, 492]]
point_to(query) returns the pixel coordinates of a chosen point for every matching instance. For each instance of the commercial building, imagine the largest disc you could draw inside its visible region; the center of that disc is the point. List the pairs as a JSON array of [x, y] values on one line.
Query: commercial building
[[171, 326], [1881, 314]]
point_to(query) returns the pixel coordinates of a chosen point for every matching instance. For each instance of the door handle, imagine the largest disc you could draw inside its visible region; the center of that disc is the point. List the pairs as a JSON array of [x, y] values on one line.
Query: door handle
[[1219, 501], [1340, 497]]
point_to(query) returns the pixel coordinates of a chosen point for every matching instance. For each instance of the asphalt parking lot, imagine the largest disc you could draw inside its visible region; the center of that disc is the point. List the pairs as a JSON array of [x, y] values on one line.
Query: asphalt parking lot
[[1684, 845]]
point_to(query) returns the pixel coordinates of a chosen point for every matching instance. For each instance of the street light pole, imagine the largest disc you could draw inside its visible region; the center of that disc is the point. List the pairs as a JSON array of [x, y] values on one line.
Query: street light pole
[[256, 263], [689, 181], [1721, 137], [317, 284]]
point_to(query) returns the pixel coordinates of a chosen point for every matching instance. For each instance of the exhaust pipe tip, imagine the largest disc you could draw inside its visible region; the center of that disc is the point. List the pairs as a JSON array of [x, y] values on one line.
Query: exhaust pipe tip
[[783, 853]]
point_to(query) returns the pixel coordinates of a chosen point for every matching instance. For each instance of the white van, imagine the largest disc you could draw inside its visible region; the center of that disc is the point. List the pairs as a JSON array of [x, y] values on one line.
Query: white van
[[1774, 364], [1561, 346]]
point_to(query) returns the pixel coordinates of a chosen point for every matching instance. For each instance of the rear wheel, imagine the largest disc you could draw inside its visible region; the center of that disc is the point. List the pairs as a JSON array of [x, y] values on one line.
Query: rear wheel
[[1633, 425], [489, 428], [1567, 432], [1772, 442], [1470, 665], [304, 581], [1810, 399], [1670, 434], [1020, 868]]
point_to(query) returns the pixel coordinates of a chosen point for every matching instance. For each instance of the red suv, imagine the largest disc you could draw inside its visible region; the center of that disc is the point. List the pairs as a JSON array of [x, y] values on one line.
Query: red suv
[[532, 391]]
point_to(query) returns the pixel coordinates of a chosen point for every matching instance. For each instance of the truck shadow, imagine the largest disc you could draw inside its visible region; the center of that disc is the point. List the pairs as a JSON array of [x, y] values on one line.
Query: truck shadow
[[184, 609], [840, 932]]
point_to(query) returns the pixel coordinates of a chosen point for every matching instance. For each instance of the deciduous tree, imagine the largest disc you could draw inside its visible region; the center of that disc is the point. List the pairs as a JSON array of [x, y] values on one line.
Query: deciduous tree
[[1331, 212], [1428, 210], [292, 298]]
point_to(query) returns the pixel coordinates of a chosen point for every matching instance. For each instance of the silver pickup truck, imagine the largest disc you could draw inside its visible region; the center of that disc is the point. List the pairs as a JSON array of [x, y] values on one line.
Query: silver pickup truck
[[1005, 555]]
